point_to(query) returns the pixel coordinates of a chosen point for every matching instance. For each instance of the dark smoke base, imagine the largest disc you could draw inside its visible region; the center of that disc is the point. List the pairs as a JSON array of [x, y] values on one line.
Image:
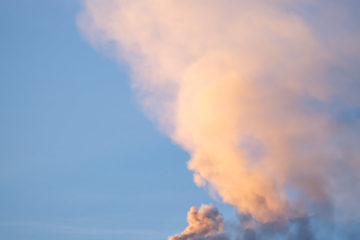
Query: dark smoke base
[[304, 228], [206, 223]]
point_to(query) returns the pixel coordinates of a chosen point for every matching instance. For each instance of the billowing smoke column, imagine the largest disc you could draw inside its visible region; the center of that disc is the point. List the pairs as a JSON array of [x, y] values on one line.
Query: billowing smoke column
[[205, 223], [264, 95]]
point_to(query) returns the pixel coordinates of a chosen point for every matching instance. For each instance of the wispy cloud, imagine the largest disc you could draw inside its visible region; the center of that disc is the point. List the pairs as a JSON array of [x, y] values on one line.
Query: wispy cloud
[[67, 229]]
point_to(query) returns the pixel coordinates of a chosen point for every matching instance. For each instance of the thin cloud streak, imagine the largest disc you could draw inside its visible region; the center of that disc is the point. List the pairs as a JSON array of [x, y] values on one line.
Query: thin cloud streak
[[66, 229]]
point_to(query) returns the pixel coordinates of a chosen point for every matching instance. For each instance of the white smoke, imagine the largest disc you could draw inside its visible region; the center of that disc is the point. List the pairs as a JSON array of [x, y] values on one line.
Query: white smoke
[[263, 94]]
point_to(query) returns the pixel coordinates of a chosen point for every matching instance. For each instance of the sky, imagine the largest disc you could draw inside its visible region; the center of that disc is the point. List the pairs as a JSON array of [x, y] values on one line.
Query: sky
[[117, 117], [78, 158]]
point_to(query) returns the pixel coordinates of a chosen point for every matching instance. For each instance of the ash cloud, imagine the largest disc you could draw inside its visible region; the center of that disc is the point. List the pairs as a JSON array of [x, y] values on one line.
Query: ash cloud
[[205, 223], [263, 94]]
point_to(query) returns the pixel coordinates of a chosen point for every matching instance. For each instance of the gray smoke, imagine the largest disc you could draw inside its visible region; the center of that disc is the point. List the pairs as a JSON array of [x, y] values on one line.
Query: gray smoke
[[205, 223]]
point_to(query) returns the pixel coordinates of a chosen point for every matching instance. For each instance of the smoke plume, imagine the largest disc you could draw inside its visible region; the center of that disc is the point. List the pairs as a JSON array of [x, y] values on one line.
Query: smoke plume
[[263, 94], [205, 223]]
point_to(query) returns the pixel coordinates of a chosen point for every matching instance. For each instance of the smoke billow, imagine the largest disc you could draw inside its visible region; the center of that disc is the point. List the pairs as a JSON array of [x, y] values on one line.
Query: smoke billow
[[263, 94], [205, 223]]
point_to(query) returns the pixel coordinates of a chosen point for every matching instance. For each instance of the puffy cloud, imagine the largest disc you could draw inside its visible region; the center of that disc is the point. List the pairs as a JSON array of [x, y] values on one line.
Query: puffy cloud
[[263, 95]]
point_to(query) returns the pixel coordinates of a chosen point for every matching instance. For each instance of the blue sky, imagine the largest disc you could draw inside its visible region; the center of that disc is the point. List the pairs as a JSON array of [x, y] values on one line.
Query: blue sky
[[78, 159]]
